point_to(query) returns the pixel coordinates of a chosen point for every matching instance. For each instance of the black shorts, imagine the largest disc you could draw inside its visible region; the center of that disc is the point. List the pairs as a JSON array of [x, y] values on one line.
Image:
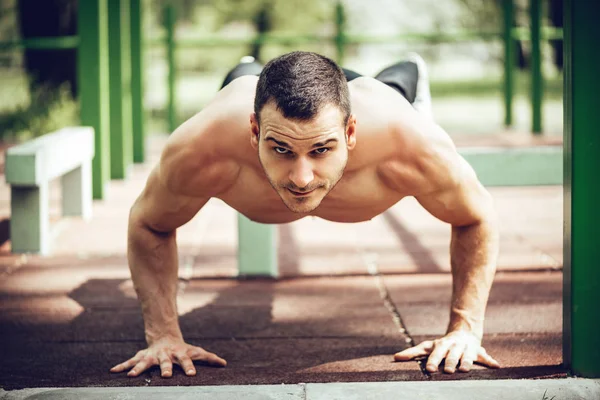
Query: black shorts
[[401, 76]]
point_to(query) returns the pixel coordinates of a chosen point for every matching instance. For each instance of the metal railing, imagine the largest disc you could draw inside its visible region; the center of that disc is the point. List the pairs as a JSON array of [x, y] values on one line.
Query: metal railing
[[341, 39]]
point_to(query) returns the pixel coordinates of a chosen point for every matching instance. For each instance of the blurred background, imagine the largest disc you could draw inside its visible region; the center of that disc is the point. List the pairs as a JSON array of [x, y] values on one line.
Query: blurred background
[[460, 39]]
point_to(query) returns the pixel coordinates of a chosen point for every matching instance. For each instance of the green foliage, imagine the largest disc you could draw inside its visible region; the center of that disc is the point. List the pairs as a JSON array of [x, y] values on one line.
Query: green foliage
[[48, 111], [481, 14], [288, 16], [237, 18]]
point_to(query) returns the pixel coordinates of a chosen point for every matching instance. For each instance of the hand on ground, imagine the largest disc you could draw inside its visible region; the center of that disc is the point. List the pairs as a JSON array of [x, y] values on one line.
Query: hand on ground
[[165, 353], [459, 348]]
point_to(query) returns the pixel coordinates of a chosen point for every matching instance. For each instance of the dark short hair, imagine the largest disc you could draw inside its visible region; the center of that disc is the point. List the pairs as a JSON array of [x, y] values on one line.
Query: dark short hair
[[301, 83]]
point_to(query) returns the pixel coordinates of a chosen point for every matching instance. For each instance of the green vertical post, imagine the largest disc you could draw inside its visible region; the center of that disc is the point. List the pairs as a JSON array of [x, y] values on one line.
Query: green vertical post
[[257, 248], [121, 140], [170, 43], [93, 81], [340, 32], [537, 80], [137, 80], [582, 214], [509, 60]]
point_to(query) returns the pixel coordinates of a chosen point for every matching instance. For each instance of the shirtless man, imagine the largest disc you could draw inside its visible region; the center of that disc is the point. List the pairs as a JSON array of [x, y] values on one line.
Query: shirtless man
[[287, 145]]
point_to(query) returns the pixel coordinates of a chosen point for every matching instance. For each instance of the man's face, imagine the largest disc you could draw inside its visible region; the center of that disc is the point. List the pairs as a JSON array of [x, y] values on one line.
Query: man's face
[[303, 160]]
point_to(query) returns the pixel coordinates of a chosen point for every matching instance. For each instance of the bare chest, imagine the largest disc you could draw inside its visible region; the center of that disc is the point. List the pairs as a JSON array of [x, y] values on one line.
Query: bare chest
[[357, 197]]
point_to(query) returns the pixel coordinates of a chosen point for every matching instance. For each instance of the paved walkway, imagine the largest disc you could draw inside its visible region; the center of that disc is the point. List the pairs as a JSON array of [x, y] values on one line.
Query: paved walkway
[[352, 296]]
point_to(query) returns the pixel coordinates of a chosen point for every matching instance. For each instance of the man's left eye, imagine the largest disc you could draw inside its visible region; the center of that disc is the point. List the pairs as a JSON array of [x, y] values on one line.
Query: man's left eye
[[322, 150]]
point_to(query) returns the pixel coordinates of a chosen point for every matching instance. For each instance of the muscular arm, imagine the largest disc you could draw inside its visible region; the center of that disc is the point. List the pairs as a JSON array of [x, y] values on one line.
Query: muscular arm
[[473, 247], [152, 253], [446, 186], [194, 167]]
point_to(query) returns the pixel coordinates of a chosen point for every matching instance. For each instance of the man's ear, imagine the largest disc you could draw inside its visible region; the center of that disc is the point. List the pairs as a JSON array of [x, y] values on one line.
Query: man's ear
[[351, 132], [255, 131]]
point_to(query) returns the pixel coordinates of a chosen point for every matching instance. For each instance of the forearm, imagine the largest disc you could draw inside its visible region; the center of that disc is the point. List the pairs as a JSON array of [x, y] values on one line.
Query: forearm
[[473, 253], [153, 264]]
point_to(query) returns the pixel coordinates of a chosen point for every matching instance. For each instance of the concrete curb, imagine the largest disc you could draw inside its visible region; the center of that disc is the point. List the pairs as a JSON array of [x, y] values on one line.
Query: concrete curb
[[544, 389]]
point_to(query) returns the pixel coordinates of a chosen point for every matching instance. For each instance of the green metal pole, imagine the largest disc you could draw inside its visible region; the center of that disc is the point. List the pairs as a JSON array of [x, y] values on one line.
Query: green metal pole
[[582, 191], [120, 88], [170, 28], [137, 80], [93, 81], [537, 80], [509, 57], [340, 34]]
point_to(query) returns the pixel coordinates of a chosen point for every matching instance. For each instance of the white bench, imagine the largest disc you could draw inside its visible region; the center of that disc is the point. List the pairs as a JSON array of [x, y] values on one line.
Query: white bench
[[29, 169]]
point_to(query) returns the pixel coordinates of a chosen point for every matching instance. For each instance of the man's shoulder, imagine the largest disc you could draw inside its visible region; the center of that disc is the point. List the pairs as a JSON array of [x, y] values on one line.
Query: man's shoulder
[[239, 91], [420, 154], [202, 156], [199, 166]]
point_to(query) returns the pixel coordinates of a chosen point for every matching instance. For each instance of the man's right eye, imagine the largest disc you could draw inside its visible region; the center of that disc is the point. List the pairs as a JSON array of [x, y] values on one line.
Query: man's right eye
[[281, 150]]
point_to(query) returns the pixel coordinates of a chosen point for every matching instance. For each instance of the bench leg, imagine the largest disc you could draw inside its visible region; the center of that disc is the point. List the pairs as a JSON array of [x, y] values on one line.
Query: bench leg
[[257, 248], [29, 224], [77, 191]]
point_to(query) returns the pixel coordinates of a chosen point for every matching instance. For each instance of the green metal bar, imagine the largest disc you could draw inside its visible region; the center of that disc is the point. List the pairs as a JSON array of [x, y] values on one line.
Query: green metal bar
[[340, 32], [518, 33], [170, 43], [551, 33], [291, 39], [266, 38], [567, 338], [71, 42], [537, 80], [120, 88], [93, 80], [58, 42], [546, 33], [509, 51], [582, 214], [137, 81]]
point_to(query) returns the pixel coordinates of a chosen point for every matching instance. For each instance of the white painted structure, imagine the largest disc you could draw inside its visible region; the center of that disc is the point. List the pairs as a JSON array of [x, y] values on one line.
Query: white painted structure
[[31, 166]]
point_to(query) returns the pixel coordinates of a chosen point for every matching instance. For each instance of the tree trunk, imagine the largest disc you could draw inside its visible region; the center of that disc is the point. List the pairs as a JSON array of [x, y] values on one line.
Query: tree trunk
[[50, 68], [263, 22], [556, 16]]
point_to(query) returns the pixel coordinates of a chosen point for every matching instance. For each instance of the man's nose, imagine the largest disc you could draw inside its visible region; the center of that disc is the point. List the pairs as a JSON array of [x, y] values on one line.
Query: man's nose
[[302, 174]]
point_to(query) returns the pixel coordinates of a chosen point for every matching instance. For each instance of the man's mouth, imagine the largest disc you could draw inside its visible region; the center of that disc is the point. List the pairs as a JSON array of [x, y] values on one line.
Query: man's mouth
[[301, 194]]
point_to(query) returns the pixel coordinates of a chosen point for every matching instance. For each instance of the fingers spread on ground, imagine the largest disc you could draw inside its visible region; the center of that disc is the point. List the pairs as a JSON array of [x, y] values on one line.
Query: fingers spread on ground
[[186, 364], [124, 365], [166, 365], [484, 358], [212, 359], [466, 362], [420, 350], [437, 355], [139, 367], [453, 356]]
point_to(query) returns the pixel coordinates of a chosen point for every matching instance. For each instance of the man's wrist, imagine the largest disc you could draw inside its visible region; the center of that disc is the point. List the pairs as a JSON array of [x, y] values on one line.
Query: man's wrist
[[461, 320], [171, 333]]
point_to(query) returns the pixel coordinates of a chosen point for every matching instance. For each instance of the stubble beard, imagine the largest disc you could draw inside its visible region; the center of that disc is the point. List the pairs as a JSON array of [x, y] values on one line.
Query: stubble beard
[[298, 205]]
